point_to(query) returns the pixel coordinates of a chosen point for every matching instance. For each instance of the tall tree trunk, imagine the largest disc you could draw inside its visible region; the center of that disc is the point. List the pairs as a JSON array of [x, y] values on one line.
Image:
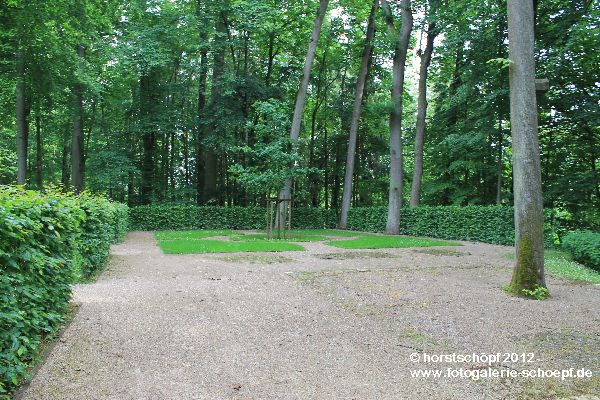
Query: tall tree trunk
[[148, 137], [337, 165], [271, 58], [500, 169], [313, 178], [396, 156], [355, 121], [202, 78], [77, 138], [211, 167], [38, 150], [415, 195], [326, 166], [286, 191], [529, 213], [186, 158], [22, 124], [65, 178]]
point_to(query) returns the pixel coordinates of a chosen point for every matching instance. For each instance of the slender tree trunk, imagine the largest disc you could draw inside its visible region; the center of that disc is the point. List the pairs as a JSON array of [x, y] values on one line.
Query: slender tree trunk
[[415, 195], [500, 170], [335, 191], [172, 156], [77, 142], [148, 136], [38, 150], [22, 124], [313, 181], [529, 213], [186, 158], [396, 156], [199, 128], [355, 121], [286, 191], [211, 167], [201, 110], [271, 58], [65, 178], [326, 162]]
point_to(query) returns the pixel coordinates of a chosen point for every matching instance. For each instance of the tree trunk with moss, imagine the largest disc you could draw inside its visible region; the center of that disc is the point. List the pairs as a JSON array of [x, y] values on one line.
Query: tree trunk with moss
[[529, 213]]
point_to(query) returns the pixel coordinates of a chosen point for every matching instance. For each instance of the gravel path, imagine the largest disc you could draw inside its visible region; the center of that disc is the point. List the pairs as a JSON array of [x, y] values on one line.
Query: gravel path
[[322, 324]]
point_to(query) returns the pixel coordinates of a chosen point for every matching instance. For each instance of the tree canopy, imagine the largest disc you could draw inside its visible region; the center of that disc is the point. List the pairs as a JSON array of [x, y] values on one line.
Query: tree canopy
[[191, 101]]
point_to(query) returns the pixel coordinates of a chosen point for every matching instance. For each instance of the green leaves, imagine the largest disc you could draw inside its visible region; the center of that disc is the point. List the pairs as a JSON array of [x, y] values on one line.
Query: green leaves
[[47, 240], [584, 247], [499, 62]]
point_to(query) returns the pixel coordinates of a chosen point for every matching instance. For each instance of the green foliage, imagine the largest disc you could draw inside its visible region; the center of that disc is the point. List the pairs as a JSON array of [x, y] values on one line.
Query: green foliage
[[46, 241], [538, 293], [388, 242], [584, 247], [273, 159], [105, 223], [178, 217]]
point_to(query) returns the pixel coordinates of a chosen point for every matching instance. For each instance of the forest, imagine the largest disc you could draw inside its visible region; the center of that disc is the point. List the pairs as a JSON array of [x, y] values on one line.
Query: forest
[[192, 101], [299, 199]]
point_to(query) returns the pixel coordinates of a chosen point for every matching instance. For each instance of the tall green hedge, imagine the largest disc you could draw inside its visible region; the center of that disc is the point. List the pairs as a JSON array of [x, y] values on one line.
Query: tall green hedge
[[174, 217], [47, 240], [584, 247], [487, 224]]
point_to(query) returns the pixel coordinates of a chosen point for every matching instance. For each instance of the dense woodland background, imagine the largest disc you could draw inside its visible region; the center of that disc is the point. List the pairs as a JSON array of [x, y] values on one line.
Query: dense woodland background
[[190, 101]]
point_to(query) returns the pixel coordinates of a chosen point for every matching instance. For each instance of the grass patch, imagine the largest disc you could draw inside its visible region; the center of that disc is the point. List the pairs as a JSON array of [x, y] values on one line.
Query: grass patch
[[177, 235], [294, 237], [559, 264], [331, 233], [302, 235], [388, 242], [194, 246]]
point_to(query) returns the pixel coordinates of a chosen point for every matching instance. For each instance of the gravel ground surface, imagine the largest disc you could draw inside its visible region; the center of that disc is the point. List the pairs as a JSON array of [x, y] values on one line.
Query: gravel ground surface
[[322, 324]]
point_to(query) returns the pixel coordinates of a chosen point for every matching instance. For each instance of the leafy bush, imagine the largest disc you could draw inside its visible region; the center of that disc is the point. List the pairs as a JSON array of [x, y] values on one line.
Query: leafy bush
[[46, 240], [105, 223], [584, 247]]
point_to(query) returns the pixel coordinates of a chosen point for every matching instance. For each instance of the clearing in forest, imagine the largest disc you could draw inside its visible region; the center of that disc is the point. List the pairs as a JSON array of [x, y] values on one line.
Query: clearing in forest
[[321, 323]]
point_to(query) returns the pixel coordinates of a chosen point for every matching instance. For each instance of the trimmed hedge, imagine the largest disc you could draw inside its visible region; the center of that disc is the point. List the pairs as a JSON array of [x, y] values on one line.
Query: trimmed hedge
[[584, 247], [487, 224], [47, 240], [177, 217], [105, 223]]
